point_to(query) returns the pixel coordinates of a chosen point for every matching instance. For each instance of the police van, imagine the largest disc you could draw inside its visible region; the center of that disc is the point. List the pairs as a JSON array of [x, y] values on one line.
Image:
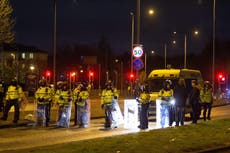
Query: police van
[[157, 77]]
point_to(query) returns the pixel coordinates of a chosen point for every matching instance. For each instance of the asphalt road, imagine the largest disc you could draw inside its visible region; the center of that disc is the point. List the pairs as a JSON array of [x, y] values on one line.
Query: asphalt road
[[21, 137]]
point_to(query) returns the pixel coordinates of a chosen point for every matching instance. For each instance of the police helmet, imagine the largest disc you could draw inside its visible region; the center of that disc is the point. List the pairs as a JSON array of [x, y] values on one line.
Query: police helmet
[[65, 86], [42, 82], [207, 84], [108, 84], [14, 82], [59, 84]]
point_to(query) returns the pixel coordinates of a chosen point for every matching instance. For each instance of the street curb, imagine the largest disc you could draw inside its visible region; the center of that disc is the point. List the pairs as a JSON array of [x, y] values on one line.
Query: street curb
[[214, 150]]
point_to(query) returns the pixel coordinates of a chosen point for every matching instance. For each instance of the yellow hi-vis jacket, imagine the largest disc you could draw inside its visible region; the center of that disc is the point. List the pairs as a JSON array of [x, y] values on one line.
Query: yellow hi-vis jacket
[[76, 92], [144, 98], [14, 93], [165, 96], [82, 98], [108, 96], [64, 98], [43, 95], [206, 96]]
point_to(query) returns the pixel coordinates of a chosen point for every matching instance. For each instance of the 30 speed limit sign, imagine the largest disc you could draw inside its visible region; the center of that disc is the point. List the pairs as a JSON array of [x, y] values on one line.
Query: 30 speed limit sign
[[138, 51]]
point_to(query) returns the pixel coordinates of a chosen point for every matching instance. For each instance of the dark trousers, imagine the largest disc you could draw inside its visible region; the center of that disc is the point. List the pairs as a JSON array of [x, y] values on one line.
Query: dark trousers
[[195, 112], [108, 116], [75, 113], [207, 107], [144, 122], [1, 102], [179, 115], [171, 111], [9, 104]]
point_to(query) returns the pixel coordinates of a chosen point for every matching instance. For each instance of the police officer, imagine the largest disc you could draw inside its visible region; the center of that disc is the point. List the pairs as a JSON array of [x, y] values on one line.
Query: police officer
[[166, 96], [107, 103], [76, 92], [82, 103], [64, 102], [144, 101], [14, 96], [2, 94], [44, 96], [206, 99]]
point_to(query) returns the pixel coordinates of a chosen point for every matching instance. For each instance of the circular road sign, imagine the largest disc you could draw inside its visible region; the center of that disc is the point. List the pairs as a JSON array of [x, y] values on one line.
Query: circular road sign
[[138, 64], [138, 51]]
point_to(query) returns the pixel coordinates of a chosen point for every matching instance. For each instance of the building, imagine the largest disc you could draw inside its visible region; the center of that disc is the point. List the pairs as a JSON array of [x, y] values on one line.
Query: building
[[25, 63]]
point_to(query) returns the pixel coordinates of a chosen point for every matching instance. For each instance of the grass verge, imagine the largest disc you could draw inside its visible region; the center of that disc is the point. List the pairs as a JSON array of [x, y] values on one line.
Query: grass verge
[[189, 138]]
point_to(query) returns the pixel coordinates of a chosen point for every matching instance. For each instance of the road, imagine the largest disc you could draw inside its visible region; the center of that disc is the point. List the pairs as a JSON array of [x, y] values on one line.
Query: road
[[21, 137]]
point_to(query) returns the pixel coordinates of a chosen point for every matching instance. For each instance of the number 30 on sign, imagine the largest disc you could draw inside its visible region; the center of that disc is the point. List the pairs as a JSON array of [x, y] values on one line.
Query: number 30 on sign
[[137, 51]]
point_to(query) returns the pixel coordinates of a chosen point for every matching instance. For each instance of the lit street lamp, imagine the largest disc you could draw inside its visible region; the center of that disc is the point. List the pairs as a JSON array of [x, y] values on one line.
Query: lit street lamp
[[196, 32]]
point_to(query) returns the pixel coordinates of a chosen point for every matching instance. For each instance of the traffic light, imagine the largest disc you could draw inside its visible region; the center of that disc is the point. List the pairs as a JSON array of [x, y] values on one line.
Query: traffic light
[[221, 78], [48, 73], [131, 77], [91, 74], [72, 74]]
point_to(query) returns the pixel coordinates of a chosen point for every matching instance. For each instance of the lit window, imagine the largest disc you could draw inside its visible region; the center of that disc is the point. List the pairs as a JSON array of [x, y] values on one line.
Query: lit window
[[23, 55], [31, 56]]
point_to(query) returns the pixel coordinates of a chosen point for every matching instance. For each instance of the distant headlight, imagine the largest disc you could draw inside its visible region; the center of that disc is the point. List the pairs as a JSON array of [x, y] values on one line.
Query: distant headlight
[[172, 102]]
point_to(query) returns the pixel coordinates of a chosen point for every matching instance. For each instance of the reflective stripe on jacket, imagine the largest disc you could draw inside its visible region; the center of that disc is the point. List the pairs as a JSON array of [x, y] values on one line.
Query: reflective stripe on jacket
[[144, 98], [206, 96], [14, 93], [64, 98], [82, 98], [107, 97], [43, 95]]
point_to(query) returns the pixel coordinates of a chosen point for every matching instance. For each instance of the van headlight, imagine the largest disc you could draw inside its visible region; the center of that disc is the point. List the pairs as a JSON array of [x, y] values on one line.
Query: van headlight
[[172, 102]]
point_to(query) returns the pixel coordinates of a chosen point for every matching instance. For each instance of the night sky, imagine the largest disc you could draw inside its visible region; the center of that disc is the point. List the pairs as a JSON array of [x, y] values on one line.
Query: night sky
[[85, 21]]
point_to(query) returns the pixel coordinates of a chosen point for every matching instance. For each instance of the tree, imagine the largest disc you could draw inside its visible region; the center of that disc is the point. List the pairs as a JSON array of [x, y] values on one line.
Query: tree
[[6, 22]]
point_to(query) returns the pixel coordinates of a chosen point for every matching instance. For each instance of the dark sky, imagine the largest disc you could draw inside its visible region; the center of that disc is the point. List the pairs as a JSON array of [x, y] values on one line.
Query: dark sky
[[85, 21]]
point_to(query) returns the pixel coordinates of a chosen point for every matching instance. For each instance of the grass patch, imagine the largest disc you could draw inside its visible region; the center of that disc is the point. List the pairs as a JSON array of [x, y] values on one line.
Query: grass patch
[[189, 138]]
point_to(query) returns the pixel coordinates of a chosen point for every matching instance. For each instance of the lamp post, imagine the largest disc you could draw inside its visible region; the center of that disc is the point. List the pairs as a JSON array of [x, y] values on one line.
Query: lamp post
[[196, 32], [132, 41], [54, 43], [213, 44], [165, 54]]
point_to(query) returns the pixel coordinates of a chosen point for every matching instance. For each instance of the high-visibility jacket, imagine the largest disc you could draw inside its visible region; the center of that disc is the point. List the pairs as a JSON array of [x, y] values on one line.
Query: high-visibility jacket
[[2, 88], [144, 98], [107, 96], [76, 92], [206, 96], [64, 98], [165, 96], [44, 95], [82, 98], [14, 93]]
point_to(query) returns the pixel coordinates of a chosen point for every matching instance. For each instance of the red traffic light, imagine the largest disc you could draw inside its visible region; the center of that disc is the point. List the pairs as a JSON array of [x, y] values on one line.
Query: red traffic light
[[48, 73], [131, 76], [221, 77], [72, 74], [91, 74]]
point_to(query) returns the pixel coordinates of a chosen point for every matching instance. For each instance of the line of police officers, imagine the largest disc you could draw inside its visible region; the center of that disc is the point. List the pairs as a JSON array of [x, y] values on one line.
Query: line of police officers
[[45, 97], [63, 96], [173, 102]]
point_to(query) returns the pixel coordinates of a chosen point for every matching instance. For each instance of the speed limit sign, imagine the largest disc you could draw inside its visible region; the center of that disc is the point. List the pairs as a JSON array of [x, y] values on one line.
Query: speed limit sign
[[138, 51]]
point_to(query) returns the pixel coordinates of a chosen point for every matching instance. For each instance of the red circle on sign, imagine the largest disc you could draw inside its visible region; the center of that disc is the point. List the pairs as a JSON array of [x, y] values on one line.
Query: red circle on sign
[[137, 51]]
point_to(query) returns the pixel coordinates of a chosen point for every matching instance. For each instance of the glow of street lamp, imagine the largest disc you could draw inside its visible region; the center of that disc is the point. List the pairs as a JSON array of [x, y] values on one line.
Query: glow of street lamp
[[196, 32], [151, 12]]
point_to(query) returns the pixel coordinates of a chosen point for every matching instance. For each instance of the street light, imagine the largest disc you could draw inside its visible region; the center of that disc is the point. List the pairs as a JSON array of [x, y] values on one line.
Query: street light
[[54, 43], [213, 44], [196, 32]]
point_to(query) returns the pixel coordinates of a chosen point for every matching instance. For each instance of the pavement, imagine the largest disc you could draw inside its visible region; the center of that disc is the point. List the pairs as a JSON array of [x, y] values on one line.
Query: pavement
[[28, 111]]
